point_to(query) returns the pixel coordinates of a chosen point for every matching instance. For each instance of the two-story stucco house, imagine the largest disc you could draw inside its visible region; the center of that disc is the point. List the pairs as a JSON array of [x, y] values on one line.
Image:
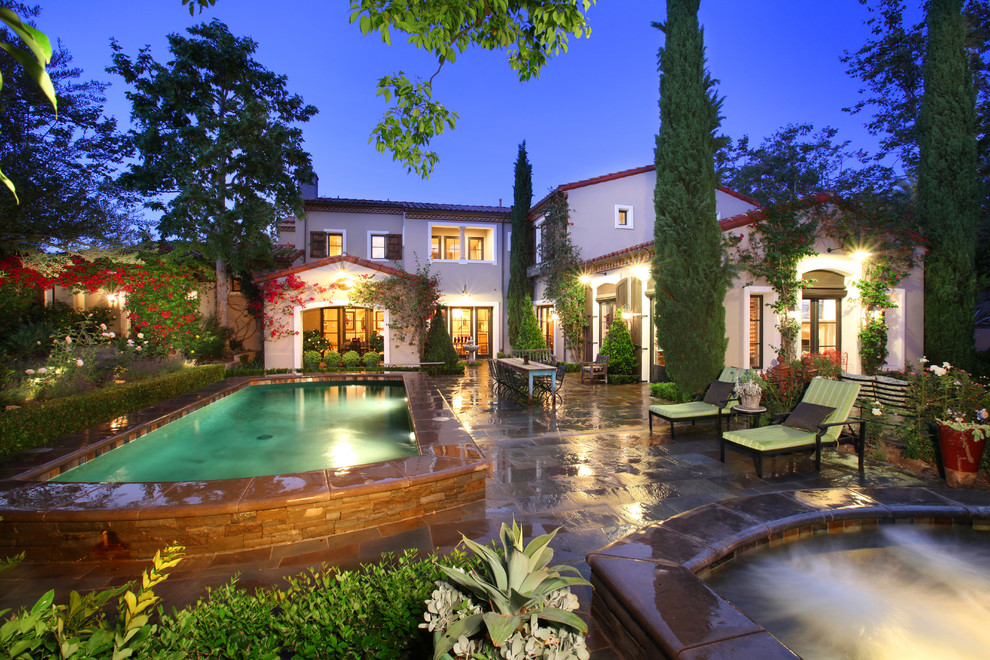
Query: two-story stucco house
[[340, 239], [612, 220]]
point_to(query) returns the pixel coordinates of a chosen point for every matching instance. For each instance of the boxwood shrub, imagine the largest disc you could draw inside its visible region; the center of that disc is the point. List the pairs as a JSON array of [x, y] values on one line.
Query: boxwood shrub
[[39, 424]]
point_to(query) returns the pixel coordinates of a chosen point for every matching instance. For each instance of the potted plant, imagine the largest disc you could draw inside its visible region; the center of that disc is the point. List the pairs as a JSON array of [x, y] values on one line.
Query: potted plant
[[749, 393], [959, 407]]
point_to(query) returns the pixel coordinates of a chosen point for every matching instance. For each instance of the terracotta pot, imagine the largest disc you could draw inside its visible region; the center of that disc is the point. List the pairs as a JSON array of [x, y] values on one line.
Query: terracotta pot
[[750, 401], [961, 455]]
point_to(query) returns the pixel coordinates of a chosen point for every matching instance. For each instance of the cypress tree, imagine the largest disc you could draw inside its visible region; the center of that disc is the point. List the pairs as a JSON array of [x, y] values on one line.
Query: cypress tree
[[689, 264], [521, 254], [948, 192]]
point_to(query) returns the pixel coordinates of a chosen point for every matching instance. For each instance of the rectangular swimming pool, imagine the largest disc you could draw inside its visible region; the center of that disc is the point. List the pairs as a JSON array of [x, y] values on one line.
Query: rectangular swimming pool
[[266, 430]]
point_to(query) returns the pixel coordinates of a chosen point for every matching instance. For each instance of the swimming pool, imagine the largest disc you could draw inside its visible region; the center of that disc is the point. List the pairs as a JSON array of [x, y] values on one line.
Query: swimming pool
[[49, 519], [266, 430]]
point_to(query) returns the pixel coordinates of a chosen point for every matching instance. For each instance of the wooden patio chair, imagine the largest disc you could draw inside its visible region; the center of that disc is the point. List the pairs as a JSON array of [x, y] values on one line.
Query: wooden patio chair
[[596, 369]]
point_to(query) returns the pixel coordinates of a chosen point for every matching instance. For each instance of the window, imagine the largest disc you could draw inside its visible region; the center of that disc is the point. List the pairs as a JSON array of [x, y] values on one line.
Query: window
[[378, 246], [537, 241], [544, 317], [756, 332], [451, 247], [435, 247], [335, 245], [623, 216], [819, 325], [476, 248]]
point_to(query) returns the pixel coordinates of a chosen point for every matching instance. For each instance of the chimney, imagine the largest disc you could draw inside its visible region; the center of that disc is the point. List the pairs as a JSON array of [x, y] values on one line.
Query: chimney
[[310, 190]]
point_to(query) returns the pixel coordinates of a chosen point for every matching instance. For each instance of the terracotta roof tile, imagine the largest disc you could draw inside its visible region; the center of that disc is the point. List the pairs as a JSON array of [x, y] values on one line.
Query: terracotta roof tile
[[328, 261]]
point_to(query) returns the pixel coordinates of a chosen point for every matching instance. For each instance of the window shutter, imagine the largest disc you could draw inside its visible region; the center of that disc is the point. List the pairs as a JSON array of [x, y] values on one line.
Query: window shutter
[[317, 244], [393, 247]]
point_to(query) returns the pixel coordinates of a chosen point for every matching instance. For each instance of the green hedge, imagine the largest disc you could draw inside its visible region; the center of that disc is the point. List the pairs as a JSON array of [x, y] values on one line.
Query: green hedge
[[36, 425]]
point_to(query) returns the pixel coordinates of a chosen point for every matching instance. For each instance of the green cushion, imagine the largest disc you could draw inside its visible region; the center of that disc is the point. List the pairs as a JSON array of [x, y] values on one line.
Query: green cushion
[[770, 438], [834, 394], [688, 410]]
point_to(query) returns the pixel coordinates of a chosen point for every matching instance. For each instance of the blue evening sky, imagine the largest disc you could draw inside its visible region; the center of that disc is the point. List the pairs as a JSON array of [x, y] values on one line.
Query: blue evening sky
[[593, 110]]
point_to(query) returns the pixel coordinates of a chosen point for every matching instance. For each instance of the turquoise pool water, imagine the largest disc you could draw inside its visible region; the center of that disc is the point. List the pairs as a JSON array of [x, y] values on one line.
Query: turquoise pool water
[[266, 430]]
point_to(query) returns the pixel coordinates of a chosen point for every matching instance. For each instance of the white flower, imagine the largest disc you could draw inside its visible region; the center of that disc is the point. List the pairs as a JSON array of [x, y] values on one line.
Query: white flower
[[29, 372], [946, 365], [113, 335], [130, 342], [68, 340], [982, 415], [103, 326], [140, 335], [42, 370], [79, 363], [923, 360], [877, 412], [137, 348], [937, 370]]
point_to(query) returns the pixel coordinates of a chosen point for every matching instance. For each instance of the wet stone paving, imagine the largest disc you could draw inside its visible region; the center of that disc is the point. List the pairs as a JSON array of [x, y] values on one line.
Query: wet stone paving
[[590, 468]]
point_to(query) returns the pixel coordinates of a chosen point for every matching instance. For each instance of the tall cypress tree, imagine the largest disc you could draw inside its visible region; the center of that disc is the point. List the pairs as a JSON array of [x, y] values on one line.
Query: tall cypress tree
[[689, 264], [948, 193], [521, 255]]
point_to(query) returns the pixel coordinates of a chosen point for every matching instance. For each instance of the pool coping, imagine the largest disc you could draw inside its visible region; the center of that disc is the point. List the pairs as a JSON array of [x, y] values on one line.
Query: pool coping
[[663, 565], [447, 455]]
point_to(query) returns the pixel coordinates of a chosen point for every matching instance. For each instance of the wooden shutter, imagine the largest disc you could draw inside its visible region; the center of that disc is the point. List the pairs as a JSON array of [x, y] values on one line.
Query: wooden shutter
[[393, 247], [317, 244]]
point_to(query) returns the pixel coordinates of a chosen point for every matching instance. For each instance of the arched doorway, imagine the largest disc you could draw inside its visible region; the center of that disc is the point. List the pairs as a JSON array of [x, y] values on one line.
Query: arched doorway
[[821, 311]]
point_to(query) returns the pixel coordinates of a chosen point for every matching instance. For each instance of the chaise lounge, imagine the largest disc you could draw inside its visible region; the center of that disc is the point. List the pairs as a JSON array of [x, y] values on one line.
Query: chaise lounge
[[818, 420], [717, 401]]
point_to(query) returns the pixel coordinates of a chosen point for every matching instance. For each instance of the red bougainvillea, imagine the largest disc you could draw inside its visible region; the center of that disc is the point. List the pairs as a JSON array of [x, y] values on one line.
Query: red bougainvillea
[[279, 297]]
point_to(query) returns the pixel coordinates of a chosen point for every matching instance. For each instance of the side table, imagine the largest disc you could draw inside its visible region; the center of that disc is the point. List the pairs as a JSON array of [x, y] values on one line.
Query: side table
[[752, 413]]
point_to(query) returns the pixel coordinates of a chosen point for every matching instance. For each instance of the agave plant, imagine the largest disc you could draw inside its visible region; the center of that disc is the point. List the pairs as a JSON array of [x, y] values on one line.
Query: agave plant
[[519, 588]]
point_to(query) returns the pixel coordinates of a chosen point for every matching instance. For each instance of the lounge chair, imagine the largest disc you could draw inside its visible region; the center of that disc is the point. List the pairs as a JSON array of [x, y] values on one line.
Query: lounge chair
[[787, 436], [596, 369], [712, 405]]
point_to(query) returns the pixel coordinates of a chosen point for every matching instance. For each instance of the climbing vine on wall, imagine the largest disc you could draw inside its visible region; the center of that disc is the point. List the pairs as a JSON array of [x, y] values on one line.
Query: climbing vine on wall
[[560, 264], [410, 299]]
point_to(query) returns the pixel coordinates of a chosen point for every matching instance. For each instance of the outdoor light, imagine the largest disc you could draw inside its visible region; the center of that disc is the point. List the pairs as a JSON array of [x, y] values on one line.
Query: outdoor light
[[584, 278], [641, 271], [192, 295], [627, 316], [861, 255]]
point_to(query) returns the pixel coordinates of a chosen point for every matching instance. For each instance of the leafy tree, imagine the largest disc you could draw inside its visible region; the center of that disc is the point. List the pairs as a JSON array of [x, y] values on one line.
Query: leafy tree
[[619, 348], [561, 268], [219, 149], [530, 31], [689, 265], [530, 336], [64, 165], [439, 347], [948, 202], [32, 61], [521, 255]]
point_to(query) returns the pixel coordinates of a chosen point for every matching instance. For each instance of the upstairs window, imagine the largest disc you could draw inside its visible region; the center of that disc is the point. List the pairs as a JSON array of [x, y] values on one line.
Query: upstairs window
[[385, 246], [451, 247], [464, 243], [335, 245], [378, 246], [476, 248], [623, 216]]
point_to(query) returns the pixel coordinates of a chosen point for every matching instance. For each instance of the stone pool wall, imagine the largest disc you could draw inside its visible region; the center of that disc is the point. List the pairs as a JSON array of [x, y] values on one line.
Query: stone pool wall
[[78, 521]]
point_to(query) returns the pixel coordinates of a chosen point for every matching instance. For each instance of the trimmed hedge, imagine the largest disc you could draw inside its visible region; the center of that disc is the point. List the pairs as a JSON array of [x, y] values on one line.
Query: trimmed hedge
[[39, 424]]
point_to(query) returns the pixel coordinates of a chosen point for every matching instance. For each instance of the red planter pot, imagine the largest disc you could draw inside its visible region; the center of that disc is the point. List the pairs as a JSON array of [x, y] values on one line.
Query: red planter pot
[[961, 455]]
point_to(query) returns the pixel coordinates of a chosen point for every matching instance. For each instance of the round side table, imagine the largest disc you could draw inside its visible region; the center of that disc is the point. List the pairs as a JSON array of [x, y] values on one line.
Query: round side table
[[752, 413]]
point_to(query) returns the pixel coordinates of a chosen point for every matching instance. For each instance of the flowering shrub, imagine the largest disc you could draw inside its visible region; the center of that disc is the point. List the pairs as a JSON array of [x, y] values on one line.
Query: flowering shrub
[[947, 394], [162, 304], [410, 298], [279, 297]]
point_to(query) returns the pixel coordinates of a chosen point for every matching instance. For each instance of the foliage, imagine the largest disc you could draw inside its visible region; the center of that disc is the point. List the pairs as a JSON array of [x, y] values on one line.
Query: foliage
[[508, 589], [668, 392], [40, 424], [351, 359], [530, 31], [377, 342], [219, 147], [29, 340], [530, 335], [32, 61], [944, 394], [311, 360], [439, 347], [560, 263], [208, 343], [278, 299], [690, 267], [619, 348], [371, 359], [410, 299], [163, 301], [948, 193], [322, 613], [313, 340], [521, 252], [82, 630], [332, 359]]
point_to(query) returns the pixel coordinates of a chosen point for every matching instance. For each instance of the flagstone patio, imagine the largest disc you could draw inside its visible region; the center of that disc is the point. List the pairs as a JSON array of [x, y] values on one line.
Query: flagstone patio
[[591, 468]]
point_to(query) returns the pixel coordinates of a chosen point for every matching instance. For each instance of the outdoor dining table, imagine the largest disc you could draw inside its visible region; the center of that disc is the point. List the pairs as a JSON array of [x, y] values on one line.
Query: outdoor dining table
[[530, 370]]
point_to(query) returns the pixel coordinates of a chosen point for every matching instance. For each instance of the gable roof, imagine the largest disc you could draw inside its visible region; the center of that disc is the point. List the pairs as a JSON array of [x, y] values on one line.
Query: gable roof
[[564, 187], [329, 261]]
